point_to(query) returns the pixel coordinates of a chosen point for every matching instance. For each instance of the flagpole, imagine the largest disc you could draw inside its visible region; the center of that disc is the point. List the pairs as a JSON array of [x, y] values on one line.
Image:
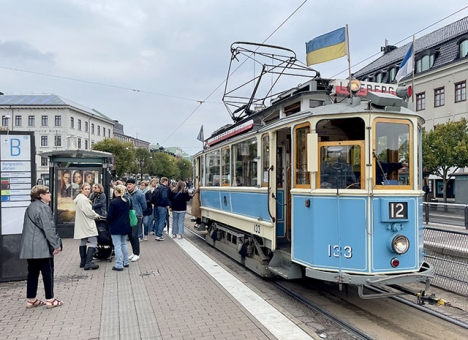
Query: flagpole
[[347, 52], [412, 77]]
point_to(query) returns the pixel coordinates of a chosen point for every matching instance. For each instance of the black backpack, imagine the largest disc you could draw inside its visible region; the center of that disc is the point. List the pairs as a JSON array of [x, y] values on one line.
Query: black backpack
[[156, 197]]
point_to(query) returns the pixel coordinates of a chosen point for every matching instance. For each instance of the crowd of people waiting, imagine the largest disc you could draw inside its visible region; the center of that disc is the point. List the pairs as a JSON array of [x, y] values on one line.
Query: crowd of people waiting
[[152, 201]]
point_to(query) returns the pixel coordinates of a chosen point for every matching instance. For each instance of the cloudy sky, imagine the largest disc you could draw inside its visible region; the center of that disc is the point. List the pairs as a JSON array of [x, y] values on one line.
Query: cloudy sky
[[149, 63]]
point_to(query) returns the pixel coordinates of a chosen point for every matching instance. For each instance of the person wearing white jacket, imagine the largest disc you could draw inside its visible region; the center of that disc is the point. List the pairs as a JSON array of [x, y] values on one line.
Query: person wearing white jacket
[[85, 227]]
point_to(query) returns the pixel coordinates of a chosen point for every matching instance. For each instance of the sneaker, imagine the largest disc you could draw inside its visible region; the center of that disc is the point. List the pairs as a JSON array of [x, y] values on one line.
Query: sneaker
[[126, 265], [151, 232], [135, 258], [140, 240], [159, 238], [145, 238], [179, 236], [117, 269], [173, 235], [130, 256]]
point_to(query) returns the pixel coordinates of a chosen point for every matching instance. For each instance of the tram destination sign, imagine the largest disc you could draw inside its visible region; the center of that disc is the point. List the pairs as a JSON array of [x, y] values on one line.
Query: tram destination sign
[[231, 132], [340, 87]]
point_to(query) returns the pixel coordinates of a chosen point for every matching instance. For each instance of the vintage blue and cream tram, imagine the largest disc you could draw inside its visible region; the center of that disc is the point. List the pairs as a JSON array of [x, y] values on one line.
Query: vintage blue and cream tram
[[325, 182]]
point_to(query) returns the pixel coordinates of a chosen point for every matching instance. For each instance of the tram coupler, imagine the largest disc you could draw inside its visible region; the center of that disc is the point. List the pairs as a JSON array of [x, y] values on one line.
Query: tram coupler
[[431, 299]]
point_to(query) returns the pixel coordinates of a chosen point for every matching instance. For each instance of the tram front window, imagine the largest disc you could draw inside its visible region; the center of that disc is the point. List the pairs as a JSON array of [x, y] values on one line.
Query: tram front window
[[340, 166], [392, 153]]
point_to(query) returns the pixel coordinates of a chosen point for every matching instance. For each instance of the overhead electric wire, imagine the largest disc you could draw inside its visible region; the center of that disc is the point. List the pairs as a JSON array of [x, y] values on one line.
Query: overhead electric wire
[[410, 36], [222, 83]]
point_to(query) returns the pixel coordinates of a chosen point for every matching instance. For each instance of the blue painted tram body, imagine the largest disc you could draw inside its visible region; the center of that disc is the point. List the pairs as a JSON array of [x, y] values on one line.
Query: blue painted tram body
[[321, 183]]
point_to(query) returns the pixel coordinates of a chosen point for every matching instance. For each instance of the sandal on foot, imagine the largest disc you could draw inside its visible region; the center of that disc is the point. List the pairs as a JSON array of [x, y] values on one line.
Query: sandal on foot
[[35, 303], [53, 303]]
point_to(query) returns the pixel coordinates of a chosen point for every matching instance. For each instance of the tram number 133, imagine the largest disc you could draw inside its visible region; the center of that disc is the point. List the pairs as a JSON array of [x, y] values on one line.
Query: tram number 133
[[337, 251]]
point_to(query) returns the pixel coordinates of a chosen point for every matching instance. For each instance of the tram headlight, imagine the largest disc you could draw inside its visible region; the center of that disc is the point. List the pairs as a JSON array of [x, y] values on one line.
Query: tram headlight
[[400, 244]]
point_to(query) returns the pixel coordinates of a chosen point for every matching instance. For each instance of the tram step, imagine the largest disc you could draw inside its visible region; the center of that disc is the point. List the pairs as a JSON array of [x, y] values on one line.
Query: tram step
[[281, 265]]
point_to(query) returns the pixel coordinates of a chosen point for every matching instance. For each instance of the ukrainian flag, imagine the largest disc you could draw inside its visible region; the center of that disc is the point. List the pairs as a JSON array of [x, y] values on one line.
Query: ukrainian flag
[[326, 47]]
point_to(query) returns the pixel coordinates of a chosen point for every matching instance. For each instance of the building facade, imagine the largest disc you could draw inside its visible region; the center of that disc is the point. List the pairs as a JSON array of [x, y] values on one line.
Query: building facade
[[440, 76], [57, 123]]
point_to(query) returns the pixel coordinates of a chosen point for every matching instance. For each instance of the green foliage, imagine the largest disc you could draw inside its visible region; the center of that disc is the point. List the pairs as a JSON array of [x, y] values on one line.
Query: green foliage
[[185, 169], [143, 161], [164, 165], [444, 148], [124, 154]]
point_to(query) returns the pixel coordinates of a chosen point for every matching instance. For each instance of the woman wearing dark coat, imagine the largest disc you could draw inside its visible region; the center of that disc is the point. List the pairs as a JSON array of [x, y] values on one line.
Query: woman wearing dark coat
[[39, 243], [118, 221]]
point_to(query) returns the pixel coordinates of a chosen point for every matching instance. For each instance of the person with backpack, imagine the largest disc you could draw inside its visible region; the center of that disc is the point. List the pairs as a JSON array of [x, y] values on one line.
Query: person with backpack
[[162, 204], [179, 198]]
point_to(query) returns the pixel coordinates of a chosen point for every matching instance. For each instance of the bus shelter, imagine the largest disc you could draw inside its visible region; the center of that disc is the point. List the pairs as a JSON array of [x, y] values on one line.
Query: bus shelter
[[68, 170]]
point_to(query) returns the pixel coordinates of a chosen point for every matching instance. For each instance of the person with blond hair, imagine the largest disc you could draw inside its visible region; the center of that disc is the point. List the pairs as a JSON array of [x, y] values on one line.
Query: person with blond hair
[[98, 199], [39, 244]]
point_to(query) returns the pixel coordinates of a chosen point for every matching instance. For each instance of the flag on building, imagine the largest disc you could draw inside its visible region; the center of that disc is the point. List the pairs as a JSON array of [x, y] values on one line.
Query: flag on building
[[406, 66], [201, 137], [327, 47]]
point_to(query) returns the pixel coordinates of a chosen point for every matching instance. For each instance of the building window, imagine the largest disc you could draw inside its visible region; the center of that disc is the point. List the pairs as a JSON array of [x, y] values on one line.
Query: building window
[[44, 121], [98, 130], [58, 120], [439, 97], [86, 126], [72, 122], [464, 49], [460, 92], [79, 143], [108, 133], [31, 120], [44, 161], [92, 129], [44, 141], [420, 101], [58, 141], [4, 121], [392, 74], [86, 144], [18, 120], [79, 124], [378, 78], [425, 63]]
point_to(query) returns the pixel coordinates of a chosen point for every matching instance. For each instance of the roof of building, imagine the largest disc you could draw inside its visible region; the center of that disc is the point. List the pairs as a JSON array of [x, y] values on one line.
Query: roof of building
[[47, 100], [445, 39]]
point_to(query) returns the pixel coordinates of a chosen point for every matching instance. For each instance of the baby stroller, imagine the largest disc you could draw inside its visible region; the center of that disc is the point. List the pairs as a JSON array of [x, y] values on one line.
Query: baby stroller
[[105, 248]]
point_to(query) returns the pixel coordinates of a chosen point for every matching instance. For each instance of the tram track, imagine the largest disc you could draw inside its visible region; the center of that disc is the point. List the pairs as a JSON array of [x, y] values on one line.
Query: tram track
[[360, 319]]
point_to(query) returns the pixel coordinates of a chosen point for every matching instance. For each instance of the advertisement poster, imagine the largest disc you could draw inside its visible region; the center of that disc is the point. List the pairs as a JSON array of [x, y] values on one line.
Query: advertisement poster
[[67, 188]]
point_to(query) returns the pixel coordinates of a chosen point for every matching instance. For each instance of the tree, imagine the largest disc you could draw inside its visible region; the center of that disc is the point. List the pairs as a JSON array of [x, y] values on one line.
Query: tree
[[124, 153], [143, 161], [185, 169], [445, 148], [164, 165]]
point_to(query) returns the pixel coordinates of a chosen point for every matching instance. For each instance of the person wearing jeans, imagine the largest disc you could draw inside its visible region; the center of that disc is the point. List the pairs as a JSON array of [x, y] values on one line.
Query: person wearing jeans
[[139, 205], [179, 198], [118, 221], [162, 204]]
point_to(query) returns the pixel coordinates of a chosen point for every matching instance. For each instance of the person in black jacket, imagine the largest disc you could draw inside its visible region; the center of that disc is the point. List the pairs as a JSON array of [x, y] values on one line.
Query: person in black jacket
[[162, 204], [119, 226], [179, 198]]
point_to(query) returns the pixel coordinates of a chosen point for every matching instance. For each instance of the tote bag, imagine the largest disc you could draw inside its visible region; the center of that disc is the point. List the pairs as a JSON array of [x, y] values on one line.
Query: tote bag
[[132, 214]]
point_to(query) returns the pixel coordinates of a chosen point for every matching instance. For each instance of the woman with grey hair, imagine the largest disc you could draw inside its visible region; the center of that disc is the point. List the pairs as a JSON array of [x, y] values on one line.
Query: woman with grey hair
[[39, 243]]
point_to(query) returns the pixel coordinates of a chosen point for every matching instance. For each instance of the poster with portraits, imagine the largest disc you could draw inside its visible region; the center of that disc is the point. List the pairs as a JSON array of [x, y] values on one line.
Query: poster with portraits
[[67, 187]]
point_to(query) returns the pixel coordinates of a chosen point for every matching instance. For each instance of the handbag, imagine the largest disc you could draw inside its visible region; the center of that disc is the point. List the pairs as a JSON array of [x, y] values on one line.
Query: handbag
[[51, 248], [132, 214]]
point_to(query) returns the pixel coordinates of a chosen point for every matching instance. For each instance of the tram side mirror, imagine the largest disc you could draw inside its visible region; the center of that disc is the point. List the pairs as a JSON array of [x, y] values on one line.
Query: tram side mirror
[[312, 152]]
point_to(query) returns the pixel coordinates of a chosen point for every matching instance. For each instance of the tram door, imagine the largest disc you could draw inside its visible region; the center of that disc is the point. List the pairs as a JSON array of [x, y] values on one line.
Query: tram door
[[283, 185]]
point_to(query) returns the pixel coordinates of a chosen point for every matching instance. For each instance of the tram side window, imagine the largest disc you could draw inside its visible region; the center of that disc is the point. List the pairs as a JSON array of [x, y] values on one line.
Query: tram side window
[[202, 170], [302, 175], [244, 162], [212, 166], [225, 166], [392, 153]]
